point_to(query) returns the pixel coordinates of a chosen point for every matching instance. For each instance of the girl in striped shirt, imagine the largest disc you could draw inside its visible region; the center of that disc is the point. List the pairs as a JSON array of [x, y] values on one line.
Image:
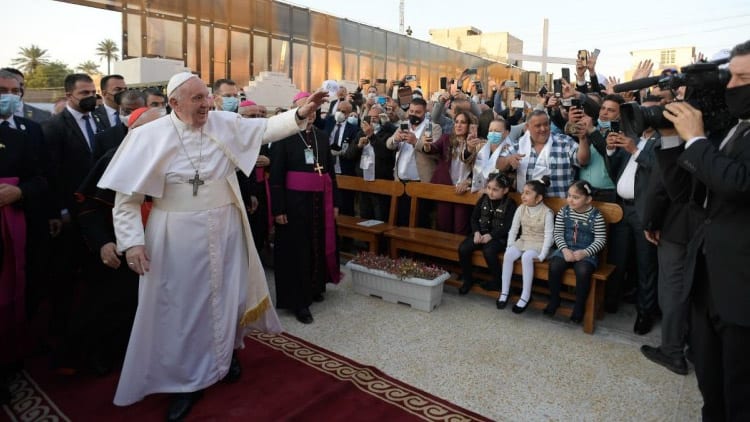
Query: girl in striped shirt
[[580, 233]]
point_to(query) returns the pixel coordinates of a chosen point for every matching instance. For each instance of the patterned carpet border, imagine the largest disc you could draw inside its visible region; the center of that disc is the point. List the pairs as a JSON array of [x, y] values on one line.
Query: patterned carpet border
[[30, 403], [367, 379]]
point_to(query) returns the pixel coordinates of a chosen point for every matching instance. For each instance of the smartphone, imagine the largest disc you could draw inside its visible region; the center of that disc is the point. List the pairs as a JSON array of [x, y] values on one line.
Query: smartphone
[[367, 119], [470, 71], [510, 84], [381, 81], [478, 85], [517, 93], [382, 100], [517, 104], [583, 55], [473, 129], [404, 96], [595, 53], [557, 87], [410, 78], [365, 82], [575, 103], [443, 82], [566, 73], [543, 91], [404, 126], [614, 126]]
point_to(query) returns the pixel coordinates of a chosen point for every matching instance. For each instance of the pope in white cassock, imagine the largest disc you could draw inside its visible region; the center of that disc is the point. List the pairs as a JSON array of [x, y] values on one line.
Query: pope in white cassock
[[202, 286]]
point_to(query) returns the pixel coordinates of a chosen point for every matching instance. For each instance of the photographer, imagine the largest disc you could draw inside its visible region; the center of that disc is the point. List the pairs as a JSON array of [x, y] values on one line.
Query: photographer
[[717, 253]]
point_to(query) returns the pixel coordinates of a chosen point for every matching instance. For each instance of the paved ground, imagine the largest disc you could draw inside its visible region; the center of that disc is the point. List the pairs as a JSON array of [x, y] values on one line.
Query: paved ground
[[502, 365]]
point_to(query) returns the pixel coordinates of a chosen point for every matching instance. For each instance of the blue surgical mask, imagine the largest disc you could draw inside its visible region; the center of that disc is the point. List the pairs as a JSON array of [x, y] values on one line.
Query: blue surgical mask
[[352, 120], [230, 103], [495, 137], [603, 124], [8, 104]]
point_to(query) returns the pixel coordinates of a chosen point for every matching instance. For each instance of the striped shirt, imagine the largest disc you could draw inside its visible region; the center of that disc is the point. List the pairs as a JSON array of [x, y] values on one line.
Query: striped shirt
[[600, 230]]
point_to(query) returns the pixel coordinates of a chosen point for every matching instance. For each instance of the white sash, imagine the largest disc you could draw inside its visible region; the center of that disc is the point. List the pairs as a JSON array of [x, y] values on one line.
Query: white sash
[[541, 167]]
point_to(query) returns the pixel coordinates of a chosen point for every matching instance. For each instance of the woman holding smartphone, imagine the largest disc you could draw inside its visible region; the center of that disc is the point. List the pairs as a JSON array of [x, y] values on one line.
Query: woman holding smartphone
[[456, 155]]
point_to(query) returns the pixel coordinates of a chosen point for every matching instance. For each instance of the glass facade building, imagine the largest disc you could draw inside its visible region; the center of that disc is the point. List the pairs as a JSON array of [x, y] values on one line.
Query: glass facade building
[[238, 39]]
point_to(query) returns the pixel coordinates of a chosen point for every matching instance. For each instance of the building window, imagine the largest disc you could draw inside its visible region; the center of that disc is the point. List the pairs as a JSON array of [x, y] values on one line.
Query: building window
[[668, 57]]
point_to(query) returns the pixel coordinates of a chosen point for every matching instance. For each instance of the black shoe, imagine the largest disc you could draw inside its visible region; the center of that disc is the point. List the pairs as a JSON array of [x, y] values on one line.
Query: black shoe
[[576, 319], [304, 316], [465, 288], [643, 324], [501, 304], [519, 309], [551, 309], [5, 395], [491, 286], [654, 354], [181, 405], [319, 297], [235, 370]]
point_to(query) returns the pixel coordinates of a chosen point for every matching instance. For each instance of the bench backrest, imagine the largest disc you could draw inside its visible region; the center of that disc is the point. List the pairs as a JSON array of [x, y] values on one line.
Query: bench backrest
[[391, 188], [436, 192]]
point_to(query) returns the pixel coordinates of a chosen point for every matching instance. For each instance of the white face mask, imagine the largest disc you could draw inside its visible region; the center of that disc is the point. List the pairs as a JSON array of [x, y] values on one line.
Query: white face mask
[[339, 116]]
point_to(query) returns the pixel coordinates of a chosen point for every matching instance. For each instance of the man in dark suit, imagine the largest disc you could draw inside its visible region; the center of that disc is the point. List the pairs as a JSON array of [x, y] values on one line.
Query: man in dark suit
[[42, 220], [631, 162], [108, 114], [24, 110], [70, 136], [718, 252], [342, 128]]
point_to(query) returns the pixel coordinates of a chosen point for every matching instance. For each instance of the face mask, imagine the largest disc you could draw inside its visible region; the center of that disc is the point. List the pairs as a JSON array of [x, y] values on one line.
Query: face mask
[[8, 104], [372, 95], [604, 125], [352, 120], [415, 120], [87, 104], [339, 116], [738, 101], [376, 127], [230, 103], [495, 137]]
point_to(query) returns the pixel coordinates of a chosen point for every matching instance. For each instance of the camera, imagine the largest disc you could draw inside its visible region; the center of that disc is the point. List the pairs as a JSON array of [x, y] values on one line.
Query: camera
[[705, 84]]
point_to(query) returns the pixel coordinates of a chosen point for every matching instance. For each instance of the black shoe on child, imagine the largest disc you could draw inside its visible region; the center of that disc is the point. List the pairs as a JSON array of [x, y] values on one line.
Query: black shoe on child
[[551, 309], [502, 303], [519, 309]]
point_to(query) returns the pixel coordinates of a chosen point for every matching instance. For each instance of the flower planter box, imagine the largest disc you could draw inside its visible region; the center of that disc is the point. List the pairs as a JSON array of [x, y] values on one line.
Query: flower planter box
[[418, 293]]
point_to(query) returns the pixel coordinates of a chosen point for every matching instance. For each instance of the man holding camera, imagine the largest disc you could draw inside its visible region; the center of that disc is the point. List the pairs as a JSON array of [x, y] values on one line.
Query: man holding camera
[[717, 253]]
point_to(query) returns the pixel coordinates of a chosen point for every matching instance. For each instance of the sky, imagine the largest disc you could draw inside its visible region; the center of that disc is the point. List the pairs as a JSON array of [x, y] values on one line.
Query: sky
[[70, 33]]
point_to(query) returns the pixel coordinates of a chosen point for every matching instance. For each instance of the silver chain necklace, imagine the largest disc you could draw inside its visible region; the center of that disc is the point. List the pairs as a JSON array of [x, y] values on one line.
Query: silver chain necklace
[[317, 167], [196, 181]]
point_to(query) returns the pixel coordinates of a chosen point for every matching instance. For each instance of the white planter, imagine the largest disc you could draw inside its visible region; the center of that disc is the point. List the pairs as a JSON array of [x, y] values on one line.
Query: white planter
[[419, 293]]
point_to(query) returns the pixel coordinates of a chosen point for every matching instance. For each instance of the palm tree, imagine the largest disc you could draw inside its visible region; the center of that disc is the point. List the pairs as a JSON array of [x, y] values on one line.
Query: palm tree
[[107, 49], [29, 58], [89, 67]]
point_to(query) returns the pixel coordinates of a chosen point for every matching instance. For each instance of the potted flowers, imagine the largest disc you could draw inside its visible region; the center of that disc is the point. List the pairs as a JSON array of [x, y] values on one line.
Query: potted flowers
[[401, 280]]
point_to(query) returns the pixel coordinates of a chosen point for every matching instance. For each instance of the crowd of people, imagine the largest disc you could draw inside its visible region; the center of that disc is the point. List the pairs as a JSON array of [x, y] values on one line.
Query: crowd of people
[[190, 188]]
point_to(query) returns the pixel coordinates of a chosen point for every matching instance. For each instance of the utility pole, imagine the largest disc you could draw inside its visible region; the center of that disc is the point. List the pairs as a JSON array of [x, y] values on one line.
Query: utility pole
[[401, 16]]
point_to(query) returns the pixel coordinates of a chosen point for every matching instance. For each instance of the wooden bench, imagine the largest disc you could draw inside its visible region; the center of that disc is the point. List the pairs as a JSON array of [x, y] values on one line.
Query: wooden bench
[[348, 226], [445, 245]]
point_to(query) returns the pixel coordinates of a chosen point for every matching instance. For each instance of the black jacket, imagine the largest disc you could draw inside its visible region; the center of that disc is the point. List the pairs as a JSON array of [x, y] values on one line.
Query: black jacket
[[493, 217]]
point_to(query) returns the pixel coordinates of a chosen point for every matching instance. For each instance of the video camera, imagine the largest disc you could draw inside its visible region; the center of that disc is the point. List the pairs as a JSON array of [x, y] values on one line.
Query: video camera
[[705, 85]]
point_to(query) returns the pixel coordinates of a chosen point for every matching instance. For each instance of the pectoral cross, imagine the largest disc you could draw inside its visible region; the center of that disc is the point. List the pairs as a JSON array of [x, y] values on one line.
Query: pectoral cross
[[196, 182], [318, 168]]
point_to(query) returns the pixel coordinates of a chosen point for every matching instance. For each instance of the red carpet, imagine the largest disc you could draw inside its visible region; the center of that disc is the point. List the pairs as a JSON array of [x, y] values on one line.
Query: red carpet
[[284, 378]]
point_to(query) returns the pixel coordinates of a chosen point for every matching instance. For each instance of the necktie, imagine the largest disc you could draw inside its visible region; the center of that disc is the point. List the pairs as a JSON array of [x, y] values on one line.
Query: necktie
[[89, 130], [738, 133], [117, 118], [336, 134]]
